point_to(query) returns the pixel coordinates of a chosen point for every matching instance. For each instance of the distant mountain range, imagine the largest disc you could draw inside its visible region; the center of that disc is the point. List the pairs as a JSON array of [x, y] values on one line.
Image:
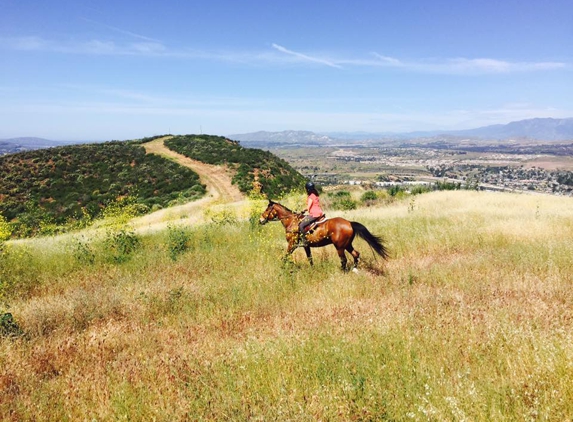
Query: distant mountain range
[[12, 145], [540, 129]]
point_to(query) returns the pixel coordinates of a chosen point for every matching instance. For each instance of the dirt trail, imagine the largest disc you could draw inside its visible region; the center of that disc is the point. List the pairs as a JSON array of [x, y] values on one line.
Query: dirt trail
[[220, 190], [217, 178]]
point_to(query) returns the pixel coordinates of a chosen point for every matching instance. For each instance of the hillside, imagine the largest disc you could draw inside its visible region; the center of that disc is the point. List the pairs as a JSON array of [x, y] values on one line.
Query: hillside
[[71, 185], [255, 169], [56, 189], [470, 319]]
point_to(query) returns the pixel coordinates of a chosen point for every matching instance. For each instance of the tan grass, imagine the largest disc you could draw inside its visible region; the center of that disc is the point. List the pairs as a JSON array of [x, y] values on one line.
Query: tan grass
[[471, 319]]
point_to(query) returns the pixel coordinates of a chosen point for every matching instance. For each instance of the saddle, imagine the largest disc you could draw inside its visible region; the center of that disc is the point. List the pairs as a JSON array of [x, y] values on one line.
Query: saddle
[[310, 228]]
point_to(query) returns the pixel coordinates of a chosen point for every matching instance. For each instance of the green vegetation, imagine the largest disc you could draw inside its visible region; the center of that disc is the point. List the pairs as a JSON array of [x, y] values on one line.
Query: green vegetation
[[473, 324], [342, 200], [256, 170], [44, 191]]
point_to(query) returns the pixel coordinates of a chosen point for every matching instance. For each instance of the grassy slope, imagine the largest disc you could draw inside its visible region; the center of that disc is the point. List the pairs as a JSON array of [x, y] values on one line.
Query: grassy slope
[[470, 320], [54, 185]]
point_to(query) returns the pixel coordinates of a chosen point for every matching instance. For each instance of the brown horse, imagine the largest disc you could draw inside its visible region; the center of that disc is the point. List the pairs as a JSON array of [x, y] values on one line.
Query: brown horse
[[336, 231]]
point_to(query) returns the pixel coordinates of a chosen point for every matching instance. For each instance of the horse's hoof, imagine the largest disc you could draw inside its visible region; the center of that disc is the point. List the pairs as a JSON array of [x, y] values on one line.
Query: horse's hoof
[[355, 270]]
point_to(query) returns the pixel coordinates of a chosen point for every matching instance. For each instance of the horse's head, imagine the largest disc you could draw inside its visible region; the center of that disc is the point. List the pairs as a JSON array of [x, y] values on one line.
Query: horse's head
[[270, 214]]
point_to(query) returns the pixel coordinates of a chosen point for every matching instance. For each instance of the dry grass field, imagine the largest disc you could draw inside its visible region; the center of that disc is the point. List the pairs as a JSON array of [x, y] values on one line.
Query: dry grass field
[[470, 320]]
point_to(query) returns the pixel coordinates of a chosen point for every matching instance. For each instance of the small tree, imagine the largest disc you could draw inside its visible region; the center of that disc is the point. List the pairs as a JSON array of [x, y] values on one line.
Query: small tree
[[5, 229]]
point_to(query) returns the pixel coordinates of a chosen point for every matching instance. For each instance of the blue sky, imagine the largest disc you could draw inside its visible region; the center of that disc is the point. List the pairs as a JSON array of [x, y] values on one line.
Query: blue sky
[[95, 70]]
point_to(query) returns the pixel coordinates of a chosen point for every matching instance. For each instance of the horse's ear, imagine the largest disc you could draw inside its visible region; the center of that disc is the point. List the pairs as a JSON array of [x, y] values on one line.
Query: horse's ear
[[271, 202]]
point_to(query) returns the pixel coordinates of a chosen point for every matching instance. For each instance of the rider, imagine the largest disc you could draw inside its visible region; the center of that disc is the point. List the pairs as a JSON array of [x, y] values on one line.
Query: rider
[[313, 208]]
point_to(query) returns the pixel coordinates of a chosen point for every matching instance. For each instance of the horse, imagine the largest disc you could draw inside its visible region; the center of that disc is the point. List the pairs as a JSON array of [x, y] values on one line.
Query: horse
[[336, 231]]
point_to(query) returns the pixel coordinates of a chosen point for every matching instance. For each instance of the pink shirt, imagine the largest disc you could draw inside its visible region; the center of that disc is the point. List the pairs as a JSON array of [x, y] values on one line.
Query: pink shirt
[[313, 205]]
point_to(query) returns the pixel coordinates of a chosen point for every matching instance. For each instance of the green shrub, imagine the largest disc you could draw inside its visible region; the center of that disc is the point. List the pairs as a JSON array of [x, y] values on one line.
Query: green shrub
[[121, 244], [369, 195], [348, 204], [341, 194], [395, 190], [5, 229], [419, 189], [178, 241], [8, 327], [83, 252]]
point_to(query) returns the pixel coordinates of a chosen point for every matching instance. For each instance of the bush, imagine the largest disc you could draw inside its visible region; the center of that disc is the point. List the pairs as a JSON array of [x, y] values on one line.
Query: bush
[[348, 204], [84, 253], [8, 327], [178, 241], [341, 194], [5, 229], [395, 190], [121, 244], [369, 195], [419, 189]]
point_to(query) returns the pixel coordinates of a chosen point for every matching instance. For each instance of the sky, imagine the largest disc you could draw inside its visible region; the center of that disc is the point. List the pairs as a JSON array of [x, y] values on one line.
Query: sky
[[87, 70]]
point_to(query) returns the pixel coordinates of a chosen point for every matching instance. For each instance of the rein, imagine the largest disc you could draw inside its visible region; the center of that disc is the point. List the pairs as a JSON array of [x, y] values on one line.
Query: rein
[[288, 213]]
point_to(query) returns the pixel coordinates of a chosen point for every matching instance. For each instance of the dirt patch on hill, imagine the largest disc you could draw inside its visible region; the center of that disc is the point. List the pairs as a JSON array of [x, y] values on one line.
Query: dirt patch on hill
[[220, 190], [217, 178]]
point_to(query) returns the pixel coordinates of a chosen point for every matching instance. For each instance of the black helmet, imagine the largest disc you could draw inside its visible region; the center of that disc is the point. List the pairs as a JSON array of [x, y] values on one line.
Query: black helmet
[[310, 187]]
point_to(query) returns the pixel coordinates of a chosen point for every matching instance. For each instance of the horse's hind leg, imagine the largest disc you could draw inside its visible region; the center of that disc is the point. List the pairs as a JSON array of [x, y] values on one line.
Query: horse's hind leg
[[355, 254], [342, 256]]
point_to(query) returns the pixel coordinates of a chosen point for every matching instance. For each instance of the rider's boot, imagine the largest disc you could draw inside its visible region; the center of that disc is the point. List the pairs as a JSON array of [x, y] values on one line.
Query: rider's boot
[[302, 241]]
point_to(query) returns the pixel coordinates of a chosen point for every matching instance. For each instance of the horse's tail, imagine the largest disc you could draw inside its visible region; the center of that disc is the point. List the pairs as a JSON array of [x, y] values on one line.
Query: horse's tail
[[375, 242]]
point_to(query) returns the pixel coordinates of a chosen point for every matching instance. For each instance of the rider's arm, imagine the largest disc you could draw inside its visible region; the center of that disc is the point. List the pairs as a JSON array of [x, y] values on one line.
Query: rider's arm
[[308, 203]]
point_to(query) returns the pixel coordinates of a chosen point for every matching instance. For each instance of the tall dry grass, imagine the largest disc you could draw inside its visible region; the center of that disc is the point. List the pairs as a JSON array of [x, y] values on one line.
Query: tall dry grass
[[471, 319]]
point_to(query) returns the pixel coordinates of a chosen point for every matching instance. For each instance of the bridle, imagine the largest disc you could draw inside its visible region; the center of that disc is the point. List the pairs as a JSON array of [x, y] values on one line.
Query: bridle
[[273, 215], [269, 217]]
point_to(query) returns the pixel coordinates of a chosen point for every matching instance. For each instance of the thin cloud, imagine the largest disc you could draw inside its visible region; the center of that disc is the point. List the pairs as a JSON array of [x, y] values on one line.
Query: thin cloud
[[463, 65], [391, 61], [122, 31], [486, 65], [147, 47], [92, 47], [304, 57]]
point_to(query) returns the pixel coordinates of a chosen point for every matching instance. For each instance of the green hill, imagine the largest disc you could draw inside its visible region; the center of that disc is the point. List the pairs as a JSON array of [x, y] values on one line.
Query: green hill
[[61, 188], [255, 169], [65, 185]]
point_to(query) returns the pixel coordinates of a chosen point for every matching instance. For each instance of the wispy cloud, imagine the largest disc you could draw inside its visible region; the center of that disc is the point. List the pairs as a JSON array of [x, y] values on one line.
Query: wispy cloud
[[462, 65], [92, 47], [122, 31], [390, 61], [279, 56], [305, 57], [439, 66]]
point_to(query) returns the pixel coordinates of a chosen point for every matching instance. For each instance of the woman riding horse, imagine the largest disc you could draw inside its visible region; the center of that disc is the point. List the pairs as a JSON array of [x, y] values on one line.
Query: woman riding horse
[[336, 231], [314, 211]]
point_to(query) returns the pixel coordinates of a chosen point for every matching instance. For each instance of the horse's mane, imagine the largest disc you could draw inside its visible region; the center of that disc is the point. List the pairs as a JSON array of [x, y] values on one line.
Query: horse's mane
[[282, 206]]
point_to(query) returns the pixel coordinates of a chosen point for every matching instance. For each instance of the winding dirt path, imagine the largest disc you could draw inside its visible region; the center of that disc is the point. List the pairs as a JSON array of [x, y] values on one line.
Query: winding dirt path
[[220, 190]]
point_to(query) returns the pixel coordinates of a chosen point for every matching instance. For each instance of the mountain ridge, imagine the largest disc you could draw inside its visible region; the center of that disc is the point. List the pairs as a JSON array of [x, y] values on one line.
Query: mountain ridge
[[541, 129]]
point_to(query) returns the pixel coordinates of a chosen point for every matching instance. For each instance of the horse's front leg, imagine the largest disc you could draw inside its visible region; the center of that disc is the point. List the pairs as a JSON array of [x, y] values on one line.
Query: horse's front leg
[[308, 254], [292, 245]]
